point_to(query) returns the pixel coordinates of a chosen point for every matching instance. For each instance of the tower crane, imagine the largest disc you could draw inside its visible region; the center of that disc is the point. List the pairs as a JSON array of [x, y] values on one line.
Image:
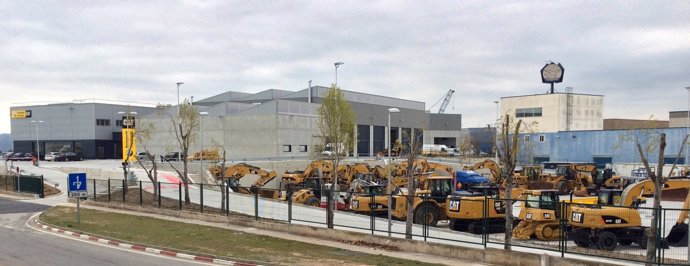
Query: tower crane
[[445, 99]]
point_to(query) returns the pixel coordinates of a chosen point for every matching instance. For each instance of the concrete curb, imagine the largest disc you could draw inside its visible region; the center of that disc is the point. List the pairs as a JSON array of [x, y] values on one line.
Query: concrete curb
[[141, 248]]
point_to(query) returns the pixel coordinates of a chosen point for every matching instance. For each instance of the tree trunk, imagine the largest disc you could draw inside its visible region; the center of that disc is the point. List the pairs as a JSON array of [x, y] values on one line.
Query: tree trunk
[[657, 178], [409, 221]]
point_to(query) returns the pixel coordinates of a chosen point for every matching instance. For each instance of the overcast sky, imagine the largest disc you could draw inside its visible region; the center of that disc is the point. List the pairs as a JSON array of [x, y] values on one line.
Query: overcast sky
[[635, 53]]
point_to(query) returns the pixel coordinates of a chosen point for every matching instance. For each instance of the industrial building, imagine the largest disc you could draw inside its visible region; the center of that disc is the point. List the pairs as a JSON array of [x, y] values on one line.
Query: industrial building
[[267, 124], [89, 127], [279, 123]]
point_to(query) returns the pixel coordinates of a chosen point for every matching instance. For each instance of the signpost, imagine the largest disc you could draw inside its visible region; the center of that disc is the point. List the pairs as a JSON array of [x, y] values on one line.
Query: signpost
[[77, 188]]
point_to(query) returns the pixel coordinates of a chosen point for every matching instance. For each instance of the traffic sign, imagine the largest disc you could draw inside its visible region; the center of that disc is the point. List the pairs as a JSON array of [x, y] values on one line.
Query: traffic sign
[[77, 185]]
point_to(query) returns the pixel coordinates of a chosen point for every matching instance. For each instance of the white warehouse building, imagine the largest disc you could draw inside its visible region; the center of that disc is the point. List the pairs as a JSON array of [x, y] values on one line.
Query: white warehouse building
[[557, 111]]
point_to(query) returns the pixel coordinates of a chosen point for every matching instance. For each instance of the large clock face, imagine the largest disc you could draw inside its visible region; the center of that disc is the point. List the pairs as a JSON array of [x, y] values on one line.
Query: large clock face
[[552, 72]]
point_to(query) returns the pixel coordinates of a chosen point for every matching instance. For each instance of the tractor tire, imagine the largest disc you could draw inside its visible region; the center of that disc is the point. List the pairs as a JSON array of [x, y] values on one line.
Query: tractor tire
[[427, 214], [643, 240], [607, 240], [475, 228], [562, 188], [580, 237], [312, 201]]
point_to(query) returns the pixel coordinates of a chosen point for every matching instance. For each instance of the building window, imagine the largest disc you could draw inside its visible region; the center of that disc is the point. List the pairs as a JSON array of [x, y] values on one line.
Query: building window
[[526, 138], [542, 138], [528, 112], [302, 148], [118, 123], [103, 122], [287, 148]]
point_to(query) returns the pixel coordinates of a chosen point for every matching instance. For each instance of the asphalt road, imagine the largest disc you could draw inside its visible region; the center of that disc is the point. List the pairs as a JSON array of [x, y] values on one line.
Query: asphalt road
[[22, 245]]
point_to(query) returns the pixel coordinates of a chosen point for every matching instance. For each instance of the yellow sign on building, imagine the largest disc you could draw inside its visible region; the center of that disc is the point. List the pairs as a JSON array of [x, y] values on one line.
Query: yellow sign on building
[[21, 114]]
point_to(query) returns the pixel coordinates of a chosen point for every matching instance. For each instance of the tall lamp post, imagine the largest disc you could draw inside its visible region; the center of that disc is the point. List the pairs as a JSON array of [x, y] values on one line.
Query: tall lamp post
[[496, 135], [178, 96], [389, 190], [38, 147], [337, 64], [201, 141]]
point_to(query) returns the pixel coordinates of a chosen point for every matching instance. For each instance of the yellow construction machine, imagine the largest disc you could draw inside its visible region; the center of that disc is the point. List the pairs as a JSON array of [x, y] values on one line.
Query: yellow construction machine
[[488, 164], [296, 178], [541, 212], [466, 210], [349, 172], [206, 155], [573, 177], [362, 193], [429, 200], [616, 219], [234, 173], [678, 236]]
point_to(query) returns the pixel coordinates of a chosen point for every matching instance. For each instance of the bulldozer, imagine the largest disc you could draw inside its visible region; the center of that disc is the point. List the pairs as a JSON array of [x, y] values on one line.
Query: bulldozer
[[541, 213], [429, 200], [616, 219]]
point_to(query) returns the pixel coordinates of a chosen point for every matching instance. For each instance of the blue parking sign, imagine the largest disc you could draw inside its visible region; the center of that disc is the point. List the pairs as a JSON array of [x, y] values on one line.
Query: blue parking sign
[[77, 185]]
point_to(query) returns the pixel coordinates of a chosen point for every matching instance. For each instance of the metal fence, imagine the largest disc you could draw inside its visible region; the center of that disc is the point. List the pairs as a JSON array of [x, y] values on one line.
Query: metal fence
[[23, 184], [475, 221]]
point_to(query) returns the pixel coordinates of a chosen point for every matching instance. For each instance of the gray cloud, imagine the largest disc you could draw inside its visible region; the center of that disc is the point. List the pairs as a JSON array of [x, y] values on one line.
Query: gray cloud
[[634, 53]]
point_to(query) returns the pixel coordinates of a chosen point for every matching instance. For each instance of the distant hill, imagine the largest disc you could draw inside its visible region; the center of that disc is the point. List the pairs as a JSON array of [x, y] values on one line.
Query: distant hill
[[5, 142]]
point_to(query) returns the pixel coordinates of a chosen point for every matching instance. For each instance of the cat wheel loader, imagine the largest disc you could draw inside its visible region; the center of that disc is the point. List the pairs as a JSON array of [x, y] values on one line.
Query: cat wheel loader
[[616, 219]]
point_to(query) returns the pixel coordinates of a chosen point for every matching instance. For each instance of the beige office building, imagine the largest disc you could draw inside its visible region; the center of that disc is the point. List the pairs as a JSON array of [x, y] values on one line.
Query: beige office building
[[556, 112]]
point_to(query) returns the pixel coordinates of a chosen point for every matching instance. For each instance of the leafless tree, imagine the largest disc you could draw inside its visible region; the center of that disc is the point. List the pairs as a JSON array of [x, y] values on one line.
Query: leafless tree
[[185, 125], [412, 184], [508, 148], [144, 133]]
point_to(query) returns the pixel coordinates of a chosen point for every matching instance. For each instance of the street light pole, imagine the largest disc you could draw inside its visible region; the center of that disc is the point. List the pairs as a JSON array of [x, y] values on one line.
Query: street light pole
[[38, 147], [178, 96], [496, 135], [201, 141], [337, 64], [389, 189]]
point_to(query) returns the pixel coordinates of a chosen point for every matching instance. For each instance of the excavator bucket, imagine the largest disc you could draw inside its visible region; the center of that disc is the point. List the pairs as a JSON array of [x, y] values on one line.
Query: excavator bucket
[[678, 236]]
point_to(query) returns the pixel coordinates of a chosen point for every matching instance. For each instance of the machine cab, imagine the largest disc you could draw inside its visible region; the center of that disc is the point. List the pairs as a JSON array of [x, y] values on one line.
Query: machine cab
[[440, 188], [610, 197], [544, 199]]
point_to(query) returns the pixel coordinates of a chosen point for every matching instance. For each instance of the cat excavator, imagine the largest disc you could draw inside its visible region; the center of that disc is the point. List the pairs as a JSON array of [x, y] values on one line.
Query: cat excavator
[[488, 164], [616, 219], [305, 194], [297, 178]]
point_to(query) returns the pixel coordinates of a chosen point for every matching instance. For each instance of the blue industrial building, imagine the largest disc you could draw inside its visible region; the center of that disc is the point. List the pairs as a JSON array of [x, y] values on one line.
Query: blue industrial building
[[601, 146]]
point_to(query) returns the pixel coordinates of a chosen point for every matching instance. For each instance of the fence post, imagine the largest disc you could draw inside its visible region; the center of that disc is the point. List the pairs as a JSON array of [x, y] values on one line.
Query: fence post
[[372, 214], [141, 194], [227, 201], [485, 222], [94, 189], [201, 191], [256, 206], [329, 210], [159, 194], [562, 241], [425, 226], [108, 190], [42, 194], [124, 190], [288, 194], [179, 194]]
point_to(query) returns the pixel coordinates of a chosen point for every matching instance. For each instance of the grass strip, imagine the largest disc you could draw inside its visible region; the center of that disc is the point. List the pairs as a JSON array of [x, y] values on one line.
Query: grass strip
[[210, 240]]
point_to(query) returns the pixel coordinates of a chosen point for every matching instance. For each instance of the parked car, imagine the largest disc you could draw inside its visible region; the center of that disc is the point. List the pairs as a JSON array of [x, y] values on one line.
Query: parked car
[[143, 156], [19, 156], [68, 156], [51, 155], [6, 155], [172, 156]]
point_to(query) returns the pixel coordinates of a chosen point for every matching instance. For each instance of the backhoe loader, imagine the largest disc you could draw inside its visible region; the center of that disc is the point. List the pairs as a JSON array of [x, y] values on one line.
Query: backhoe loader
[[429, 200], [297, 178], [616, 219]]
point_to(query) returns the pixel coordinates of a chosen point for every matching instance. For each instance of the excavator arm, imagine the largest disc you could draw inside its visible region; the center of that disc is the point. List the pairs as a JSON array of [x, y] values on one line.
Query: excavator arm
[[491, 165]]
